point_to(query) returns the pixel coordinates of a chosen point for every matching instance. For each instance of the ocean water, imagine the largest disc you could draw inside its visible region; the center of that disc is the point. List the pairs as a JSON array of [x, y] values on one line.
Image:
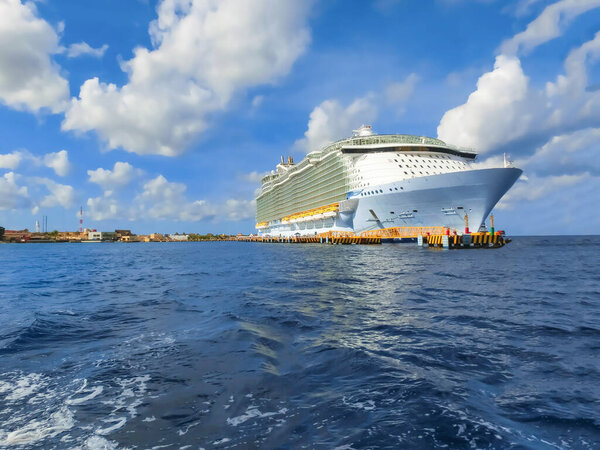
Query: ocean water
[[247, 345]]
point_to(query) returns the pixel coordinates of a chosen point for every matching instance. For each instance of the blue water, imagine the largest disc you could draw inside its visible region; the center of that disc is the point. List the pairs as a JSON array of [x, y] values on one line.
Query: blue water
[[247, 345]]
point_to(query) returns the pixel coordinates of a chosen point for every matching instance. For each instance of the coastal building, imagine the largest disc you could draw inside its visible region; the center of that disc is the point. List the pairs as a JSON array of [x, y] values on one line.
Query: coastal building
[[102, 236], [17, 235], [178, 237]]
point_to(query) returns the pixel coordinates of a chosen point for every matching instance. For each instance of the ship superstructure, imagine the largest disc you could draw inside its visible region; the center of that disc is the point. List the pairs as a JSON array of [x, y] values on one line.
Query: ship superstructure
[[374, 181]]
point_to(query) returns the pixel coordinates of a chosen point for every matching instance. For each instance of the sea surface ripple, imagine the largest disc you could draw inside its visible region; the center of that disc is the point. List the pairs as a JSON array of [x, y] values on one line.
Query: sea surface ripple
[[246, 345]]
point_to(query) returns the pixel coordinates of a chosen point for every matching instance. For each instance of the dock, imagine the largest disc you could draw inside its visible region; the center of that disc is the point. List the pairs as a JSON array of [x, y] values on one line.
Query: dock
[[433, 237]]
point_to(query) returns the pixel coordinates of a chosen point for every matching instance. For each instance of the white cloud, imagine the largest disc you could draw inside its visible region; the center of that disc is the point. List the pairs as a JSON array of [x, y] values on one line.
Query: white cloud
[[29, 79], [548, 25], [12, 196], [10, 160], [505, 107], [572, 153], [401, 91], [121, 175], [253, 177], [523, 7], [59, 161], [330, 121], [161, 199], [59, 194], [105, 207], [493, 114], [84, 49], [205, 51], [534, 188]]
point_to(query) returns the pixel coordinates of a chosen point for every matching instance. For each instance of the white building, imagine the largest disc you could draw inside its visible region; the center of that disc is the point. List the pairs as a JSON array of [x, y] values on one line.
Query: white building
[[178, 237]]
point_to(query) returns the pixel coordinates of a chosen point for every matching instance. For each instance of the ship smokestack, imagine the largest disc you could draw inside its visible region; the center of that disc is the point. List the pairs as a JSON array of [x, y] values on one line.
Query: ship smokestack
[[290, 160], [282, 161]]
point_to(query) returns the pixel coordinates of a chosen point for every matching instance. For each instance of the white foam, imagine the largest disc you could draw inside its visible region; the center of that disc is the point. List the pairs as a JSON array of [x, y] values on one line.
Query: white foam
[[22, 387], [369, 405], [252, 412], [36, 430], [99, 443], [118, 423], [149, 419], [221, 441], [94, 393]]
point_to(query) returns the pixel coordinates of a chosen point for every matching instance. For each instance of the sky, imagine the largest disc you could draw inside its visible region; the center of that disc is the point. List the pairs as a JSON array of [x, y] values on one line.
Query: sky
[[162, 116]]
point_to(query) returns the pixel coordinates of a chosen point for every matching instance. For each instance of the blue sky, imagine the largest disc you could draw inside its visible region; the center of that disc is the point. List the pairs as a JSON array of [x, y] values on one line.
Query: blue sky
[[161, 116]]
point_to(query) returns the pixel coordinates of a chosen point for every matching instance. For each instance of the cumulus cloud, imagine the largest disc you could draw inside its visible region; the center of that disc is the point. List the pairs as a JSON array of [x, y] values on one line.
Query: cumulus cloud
[[498, 111], [570, 154], [401, 91], [549, 25], [12, 196], [204, 52], [59, 161], [84, 49], [161, 199], [29, 79], [121, 175], [106, 207], [534, 188], [330, 121], [505, 107], [59, 194], [10, 160]]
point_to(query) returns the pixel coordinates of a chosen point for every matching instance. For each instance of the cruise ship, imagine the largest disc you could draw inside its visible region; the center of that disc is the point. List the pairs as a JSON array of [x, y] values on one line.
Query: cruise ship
[[372, 181]]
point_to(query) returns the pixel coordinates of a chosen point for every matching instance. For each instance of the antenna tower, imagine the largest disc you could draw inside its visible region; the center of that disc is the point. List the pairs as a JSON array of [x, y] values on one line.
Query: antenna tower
[[81, 219]]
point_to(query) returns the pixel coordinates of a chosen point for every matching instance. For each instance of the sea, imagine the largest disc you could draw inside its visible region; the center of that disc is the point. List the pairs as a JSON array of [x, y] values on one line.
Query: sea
[[221, 345]]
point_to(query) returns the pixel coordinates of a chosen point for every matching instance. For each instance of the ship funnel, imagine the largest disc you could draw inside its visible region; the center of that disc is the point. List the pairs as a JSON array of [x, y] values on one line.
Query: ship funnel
[[282, 160], [290, 160]]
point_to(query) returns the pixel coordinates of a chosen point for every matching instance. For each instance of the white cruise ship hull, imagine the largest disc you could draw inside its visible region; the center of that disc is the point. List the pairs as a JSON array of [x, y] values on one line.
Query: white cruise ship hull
[[438, 200], [427, 201]]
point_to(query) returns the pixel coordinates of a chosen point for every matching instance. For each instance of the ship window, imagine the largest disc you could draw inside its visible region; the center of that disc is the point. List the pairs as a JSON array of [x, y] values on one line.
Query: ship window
[[401, 187], [405, 172], [391, 212], [390, 189], [396, 188], [459, 207], [414, 210], [395, 160]]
